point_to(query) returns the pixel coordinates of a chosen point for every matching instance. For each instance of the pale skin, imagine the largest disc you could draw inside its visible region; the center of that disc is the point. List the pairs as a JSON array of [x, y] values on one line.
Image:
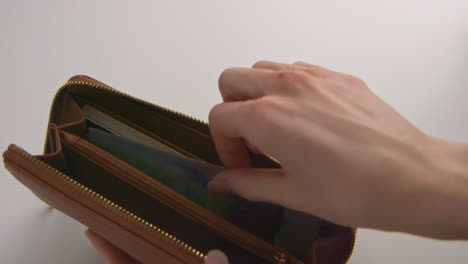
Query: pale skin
[[346, 155]]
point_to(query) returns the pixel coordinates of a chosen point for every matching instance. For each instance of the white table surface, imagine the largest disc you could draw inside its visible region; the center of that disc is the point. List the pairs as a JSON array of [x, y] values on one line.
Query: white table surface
[[414, 54]]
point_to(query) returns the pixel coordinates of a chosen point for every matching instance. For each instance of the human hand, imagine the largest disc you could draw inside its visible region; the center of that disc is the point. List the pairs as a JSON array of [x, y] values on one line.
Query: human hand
[[113, 255], [346, 155]]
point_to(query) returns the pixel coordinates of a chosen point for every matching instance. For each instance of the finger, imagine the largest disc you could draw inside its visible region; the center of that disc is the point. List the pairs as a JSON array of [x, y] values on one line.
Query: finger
[[229, 133], [264, 185], [110, 253], [240, 84], [255, 123], [216, 257]]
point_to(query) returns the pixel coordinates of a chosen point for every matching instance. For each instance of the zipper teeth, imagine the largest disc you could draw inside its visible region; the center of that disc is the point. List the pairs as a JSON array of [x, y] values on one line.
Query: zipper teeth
[[110, 204]]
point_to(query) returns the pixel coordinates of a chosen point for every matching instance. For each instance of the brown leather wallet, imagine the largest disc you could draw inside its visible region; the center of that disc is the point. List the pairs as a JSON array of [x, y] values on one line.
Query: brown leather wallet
[[139, 214]]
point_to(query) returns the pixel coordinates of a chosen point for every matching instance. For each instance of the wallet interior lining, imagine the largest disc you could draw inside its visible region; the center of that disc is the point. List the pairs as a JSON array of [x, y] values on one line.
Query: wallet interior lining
[[186, 177], [90, 174], [149, 122]]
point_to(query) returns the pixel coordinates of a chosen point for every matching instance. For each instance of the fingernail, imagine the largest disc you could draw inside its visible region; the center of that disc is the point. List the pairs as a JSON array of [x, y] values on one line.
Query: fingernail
[[219, 185], [216, 257]]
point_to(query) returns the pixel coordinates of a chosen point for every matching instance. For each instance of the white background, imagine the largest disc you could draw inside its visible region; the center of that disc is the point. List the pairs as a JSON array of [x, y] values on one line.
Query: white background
[[414, 54]]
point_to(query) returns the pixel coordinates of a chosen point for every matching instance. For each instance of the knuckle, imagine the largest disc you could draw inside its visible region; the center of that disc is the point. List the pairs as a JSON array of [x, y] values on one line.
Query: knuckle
[[297, 80], [354, 80], [215, 114], [302, 63], [292, 75], [260, 64], [224, 77]]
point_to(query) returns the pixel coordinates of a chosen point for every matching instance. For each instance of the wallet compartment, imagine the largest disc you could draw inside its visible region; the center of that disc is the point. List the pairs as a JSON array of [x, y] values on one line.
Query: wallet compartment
[[168, 216]]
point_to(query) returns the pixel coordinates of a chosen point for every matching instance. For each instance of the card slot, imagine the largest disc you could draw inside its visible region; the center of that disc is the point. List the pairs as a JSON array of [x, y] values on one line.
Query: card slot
[[155, 124], [108, 121]]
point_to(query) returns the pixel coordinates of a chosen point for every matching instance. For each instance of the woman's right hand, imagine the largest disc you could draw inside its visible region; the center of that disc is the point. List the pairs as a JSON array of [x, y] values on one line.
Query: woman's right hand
[[346, 155]]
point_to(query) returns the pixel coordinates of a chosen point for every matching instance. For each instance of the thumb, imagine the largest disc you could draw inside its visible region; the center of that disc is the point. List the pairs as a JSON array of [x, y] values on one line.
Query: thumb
[[250, 183], [216, 257]]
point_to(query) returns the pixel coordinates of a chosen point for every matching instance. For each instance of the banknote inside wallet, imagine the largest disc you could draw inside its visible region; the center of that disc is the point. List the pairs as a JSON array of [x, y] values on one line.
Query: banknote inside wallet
[[98, 142]]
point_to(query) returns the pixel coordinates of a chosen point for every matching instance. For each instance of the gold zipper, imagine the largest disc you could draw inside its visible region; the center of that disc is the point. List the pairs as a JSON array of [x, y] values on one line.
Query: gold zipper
[[280, 258], [110, 204]]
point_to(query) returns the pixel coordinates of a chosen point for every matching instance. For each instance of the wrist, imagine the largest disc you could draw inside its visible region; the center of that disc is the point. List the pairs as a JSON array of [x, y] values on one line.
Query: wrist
[[445, 203]]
